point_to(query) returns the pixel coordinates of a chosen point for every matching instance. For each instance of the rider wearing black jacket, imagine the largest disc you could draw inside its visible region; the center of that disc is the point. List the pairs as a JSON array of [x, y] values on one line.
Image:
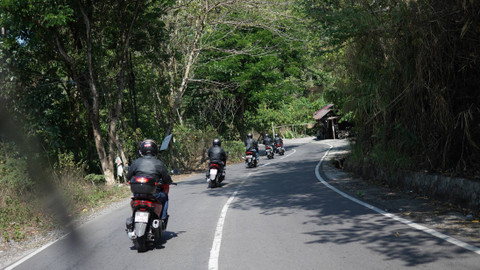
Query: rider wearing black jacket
[[148, 165], [216, 154], [251, 144], [278, 140], [267, 140]]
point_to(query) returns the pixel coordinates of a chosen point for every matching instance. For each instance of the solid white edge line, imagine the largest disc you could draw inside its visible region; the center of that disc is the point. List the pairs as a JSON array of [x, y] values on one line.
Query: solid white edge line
[[17, 263], [23, 259], [294, 151], [217, 241], [392, 216]]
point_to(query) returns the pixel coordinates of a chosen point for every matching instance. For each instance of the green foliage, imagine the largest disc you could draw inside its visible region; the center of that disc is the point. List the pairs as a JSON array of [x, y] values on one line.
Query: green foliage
[[14, 215], [236, 149], [13, 172], [191, 145], [95, 179], [298, 111], [408, 100]]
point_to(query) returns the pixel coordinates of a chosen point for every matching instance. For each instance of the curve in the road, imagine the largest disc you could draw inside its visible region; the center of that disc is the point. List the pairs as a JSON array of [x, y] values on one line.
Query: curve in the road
[[392, 216]]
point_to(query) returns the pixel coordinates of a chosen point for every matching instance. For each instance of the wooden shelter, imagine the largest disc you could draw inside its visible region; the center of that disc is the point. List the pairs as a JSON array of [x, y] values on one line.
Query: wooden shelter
[[327, 122]]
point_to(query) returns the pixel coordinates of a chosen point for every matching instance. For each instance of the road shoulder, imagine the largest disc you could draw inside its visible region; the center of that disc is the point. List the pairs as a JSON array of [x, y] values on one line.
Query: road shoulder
[[437, 215]]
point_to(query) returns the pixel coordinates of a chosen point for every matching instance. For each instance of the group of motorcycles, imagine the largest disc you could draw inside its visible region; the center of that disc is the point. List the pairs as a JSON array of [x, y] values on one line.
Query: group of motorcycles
[[216, 173], [146, 225], [270, 151]]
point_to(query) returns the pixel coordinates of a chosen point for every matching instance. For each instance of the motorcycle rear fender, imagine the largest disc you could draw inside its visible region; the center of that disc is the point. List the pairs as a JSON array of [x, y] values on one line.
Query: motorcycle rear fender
[[140, 228], [152, 206]]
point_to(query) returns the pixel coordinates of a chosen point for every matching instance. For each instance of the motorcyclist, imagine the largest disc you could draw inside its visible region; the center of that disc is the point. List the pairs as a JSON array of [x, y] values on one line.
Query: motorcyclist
[[267, 140], [251, 145], [216, 154], [278, 140], [149, 166]]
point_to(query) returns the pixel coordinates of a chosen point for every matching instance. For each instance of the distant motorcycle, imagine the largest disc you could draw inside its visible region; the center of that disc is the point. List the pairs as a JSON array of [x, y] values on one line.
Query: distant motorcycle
[[279, 149], [250, 159], [214, 176], [269, 151], [145, 225]]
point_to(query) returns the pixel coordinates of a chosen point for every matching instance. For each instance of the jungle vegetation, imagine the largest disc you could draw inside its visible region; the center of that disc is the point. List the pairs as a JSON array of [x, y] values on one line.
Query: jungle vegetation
[[84, 81]]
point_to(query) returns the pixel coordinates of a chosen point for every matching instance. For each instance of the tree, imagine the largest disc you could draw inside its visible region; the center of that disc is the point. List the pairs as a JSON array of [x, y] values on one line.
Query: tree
[[411, 68], [93, 42], [224, 51]]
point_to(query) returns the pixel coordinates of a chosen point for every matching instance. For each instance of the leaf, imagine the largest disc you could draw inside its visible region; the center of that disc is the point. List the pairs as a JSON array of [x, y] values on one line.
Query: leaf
[[465, 28]]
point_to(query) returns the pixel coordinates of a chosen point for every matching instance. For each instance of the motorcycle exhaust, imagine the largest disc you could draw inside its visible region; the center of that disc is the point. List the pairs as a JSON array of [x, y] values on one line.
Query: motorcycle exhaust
[[156, 223], [131, 235]]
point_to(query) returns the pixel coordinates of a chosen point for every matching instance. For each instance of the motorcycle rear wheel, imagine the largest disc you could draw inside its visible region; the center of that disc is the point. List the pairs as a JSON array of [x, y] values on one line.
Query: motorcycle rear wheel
[[141, 243]]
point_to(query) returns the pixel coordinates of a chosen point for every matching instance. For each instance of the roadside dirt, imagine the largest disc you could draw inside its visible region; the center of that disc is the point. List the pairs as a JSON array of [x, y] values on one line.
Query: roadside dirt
[[438, 215]]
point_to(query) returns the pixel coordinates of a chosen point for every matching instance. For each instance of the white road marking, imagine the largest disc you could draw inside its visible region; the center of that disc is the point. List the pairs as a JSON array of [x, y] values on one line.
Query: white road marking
[[217, 240], [17, 263], [392, 216], [294, 150], [34, 253]]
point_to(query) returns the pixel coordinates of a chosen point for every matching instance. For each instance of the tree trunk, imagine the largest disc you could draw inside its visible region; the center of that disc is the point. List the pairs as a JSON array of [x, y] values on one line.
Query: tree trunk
[[105, 162]]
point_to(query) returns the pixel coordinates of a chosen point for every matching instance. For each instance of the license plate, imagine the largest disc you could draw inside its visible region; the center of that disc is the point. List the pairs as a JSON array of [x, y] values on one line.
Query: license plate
[[249, 156], [213, 173], [141, 217]]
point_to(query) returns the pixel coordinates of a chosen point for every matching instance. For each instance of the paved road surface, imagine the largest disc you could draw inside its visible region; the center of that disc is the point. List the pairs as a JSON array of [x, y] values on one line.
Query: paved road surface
[[276, 216]]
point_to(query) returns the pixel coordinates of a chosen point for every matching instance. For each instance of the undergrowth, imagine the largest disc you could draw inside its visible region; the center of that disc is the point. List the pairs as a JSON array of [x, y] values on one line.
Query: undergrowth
[[25, 209]]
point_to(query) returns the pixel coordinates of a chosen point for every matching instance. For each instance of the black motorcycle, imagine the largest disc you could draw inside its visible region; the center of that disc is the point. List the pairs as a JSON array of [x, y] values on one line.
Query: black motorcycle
[[269, 151], [145, 225], [214, 175], [250, 159], [279, 149]]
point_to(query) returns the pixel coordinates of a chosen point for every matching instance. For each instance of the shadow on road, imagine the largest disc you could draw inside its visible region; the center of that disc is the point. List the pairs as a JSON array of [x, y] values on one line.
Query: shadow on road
[[285, 187], [166, 235]]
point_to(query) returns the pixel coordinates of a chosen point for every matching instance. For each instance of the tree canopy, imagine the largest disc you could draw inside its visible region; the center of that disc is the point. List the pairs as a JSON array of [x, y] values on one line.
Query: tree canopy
[[92, 78]]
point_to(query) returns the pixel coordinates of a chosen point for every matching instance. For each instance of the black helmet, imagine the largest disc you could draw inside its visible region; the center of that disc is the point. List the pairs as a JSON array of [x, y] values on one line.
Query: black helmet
[[267, 136], [217, 142], [249, 135], [149, 147]]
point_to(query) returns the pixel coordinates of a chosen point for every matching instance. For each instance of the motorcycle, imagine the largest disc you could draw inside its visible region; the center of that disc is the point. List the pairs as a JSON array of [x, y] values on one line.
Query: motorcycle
[[279, 149], [214, 176], [269, 151], [250, 159], [145, 225]]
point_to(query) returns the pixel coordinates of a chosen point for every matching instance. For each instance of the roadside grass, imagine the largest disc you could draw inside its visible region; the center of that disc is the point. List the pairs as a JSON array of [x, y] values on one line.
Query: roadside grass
[[25, 212]]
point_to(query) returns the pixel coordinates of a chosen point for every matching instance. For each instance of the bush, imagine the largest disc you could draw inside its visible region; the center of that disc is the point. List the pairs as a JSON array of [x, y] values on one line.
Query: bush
[[236, 149], [14, 174], [95, 179], [191, 145], [22, 216]]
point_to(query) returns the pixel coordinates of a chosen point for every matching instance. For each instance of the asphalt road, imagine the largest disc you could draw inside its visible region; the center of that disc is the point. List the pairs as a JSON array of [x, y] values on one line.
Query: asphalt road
[[276, 216]]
